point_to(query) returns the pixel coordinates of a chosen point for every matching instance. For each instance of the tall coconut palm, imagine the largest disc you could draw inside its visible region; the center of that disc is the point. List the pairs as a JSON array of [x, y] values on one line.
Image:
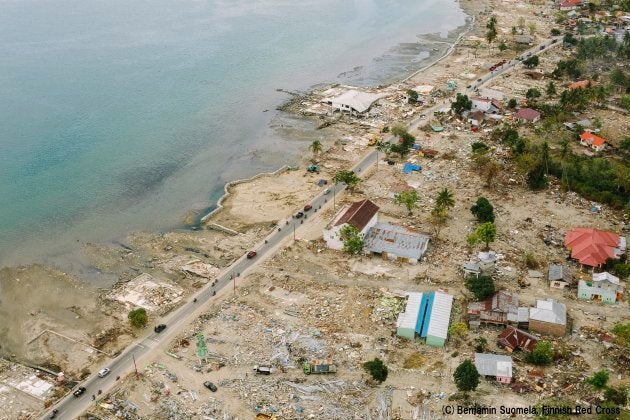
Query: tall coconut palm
[[444, 199], [316, 147], [383, 148]]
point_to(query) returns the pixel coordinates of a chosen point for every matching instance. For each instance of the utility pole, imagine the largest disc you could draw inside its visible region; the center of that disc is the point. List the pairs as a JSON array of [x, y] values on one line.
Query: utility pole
[[133, 355], [334, 198], [293, 232]]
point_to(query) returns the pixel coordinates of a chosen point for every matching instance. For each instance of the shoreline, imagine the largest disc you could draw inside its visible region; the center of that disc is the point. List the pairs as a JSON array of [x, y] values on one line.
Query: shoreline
[[453, 45]]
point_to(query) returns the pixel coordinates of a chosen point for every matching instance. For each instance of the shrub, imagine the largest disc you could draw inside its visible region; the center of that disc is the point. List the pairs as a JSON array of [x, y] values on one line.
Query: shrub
[[542, 353], [376, 369], [599, 379], [481, 287], [138, 317], [530, 260], [483, 210]]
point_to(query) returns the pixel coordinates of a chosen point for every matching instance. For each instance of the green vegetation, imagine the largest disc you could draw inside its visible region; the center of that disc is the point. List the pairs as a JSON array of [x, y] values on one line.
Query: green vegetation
[[409, 199], [466, 376], [531, 62], [512, 103], [551, 89], [622, 334], [461, 104], [530, 260], [376, 369], [406, 141], [491, 35], [352, 242], [458, 330], [542, 354], [532, 94], [479, 147], [481, 344], [444, 199], [481, 287], [599, 379], [485, 233], [138, 317], [483, 210], [316, 148], [347, 177], [413, 96]]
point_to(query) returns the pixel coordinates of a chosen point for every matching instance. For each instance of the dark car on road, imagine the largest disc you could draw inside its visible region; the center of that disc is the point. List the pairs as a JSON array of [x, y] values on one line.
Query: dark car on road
[[79, 391], [251, 254], [212, 387], [299, 215], [159, 328]]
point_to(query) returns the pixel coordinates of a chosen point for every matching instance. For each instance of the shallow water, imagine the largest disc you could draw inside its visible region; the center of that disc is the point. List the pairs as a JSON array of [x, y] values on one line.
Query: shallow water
[[118, 116]]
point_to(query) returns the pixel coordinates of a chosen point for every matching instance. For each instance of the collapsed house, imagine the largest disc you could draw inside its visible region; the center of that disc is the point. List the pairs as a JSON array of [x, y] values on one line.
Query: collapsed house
[[512, 339], [500, 309], [426, 315]]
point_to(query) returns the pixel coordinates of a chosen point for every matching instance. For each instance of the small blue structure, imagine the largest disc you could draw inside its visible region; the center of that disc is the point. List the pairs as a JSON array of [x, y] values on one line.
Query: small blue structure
[[410, 167], [322, 182], [416, 146]]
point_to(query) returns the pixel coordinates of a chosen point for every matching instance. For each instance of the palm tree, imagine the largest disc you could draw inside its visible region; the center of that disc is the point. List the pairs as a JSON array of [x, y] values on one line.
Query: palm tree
[[316, 148], [381, 147], [444, 199]]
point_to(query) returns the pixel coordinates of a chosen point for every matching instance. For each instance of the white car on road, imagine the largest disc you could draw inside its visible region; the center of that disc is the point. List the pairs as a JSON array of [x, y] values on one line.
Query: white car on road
[[103, 372]]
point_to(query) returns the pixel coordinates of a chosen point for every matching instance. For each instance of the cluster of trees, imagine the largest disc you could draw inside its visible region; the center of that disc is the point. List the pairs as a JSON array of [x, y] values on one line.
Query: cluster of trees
[[406, 141], [531, 62], [347, 177], [570, 67], [461, 104]]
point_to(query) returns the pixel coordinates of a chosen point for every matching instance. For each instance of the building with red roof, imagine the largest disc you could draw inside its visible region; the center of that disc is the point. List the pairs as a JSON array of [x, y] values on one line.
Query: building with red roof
[[569, 4], [589, 139], [527, 115], [593, 247], [582, 84], [362, 215]]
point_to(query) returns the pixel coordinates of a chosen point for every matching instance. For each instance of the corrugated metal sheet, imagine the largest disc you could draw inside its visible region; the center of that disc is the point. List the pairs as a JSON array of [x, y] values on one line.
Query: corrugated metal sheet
[[493, 365], [409, 318], [440, 315], [549, 310]]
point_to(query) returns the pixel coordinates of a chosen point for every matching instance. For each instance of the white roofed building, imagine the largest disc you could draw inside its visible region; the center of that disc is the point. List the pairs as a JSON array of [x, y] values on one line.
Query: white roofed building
[[548, 317], [354, 101]]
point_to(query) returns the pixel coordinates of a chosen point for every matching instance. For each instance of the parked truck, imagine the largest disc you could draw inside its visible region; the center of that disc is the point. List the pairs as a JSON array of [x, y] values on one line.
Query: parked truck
[[318, 366]]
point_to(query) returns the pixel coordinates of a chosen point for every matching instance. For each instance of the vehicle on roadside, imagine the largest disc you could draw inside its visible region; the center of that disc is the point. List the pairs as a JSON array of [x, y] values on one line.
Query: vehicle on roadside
[[159, 328], [307, 207], [103, 372], [327, 191], [79, 391], [263, 370], [53, 414], [251, 254], [299, 215], [212, 387]]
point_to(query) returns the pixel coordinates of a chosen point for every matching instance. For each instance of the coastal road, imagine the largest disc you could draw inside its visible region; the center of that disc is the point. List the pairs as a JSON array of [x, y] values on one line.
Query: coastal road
[[540, 48], [71, 407]]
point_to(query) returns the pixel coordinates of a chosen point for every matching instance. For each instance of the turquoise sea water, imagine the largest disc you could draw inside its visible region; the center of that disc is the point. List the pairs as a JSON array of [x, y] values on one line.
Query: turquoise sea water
[[123, 115]]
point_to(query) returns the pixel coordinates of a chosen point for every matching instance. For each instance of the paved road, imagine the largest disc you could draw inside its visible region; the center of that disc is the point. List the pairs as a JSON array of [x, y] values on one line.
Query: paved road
[[71, 407]]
